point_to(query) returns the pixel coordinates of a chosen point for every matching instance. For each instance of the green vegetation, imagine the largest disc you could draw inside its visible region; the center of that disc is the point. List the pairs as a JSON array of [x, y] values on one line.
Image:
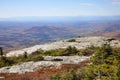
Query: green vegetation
[[71, 75], [37, 55], [34, 58], [69, 51], [71, 40], [57, 52], [5, 61], [1, 51], [62, 52], [25, 55], [105, 66], [88, 51], [9, 61], [105, 63], [78, 36]]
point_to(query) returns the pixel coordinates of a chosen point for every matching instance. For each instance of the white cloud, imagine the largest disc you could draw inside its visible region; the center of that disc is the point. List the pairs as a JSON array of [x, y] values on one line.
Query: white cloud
[[86, 4]]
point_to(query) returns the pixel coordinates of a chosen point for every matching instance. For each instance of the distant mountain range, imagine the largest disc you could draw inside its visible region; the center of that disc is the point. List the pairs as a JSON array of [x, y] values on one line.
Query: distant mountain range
[[60, 18], [20, 34]]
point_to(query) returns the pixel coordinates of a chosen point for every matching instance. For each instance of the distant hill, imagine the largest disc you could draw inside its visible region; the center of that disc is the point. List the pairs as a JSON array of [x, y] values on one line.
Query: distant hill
[[114, 34], [20, 34]]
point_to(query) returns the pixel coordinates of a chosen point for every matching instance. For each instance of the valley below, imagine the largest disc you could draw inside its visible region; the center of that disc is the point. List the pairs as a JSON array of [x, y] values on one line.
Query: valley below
[[16, 35]]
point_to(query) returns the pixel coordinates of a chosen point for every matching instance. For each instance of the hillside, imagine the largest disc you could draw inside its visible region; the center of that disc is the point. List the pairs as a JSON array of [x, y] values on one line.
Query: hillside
[[115, 34], [62, 56]]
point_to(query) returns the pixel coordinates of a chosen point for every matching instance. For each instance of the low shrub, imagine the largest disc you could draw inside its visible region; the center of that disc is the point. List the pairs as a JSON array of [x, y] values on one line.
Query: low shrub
[[105, 66], [35, 58], [57, 52], [71, 40]]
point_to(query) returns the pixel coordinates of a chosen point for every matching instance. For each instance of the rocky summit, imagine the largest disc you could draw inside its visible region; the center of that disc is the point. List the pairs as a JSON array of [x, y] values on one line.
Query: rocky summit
[[80, 43], [50, 61]]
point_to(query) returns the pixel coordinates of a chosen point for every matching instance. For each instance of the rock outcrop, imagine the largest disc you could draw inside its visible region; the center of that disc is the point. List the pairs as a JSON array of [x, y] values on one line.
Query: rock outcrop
[[32, 66], [80, 43]]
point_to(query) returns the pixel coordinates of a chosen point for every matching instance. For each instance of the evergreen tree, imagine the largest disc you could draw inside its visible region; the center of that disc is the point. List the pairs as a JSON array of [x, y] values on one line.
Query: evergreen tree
[[25, 55], [1, 51]]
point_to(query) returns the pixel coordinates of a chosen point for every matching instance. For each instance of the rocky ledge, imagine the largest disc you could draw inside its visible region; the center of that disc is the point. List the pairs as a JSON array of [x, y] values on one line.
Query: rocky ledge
[[48, 62], [80, 43]]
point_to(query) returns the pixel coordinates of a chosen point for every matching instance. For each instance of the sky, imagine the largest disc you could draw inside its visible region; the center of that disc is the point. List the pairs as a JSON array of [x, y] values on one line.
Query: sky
[[22, 8]]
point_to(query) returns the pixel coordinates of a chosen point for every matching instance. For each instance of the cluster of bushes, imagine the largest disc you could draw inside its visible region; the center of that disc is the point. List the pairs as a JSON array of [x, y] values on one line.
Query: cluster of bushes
[[57, 52], [9, 61], [71, 75], [69, 51], [105, 66], [6, 61], [62, 52]]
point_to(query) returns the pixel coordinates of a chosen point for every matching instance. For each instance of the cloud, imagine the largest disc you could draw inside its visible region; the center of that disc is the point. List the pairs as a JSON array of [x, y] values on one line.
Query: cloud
[[116, 2], [86, 4]]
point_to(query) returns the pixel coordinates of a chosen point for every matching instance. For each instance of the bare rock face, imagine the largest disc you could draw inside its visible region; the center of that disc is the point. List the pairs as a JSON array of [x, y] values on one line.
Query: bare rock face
[[80, 43], [32, 66]]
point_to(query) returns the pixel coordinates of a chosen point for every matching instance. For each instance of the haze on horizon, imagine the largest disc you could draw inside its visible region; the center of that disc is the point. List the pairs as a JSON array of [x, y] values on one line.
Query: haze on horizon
[[22, 8]]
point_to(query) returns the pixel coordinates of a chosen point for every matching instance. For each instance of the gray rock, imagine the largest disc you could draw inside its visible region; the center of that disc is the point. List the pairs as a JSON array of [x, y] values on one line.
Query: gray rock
[[32, 66]]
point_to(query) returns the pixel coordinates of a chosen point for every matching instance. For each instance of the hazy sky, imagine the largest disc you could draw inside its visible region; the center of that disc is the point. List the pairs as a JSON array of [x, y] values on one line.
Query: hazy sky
[[18, 8]]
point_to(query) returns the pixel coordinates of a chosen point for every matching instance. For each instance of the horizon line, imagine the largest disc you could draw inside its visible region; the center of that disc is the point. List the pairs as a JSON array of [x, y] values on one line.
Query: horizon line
[[62, 16]]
